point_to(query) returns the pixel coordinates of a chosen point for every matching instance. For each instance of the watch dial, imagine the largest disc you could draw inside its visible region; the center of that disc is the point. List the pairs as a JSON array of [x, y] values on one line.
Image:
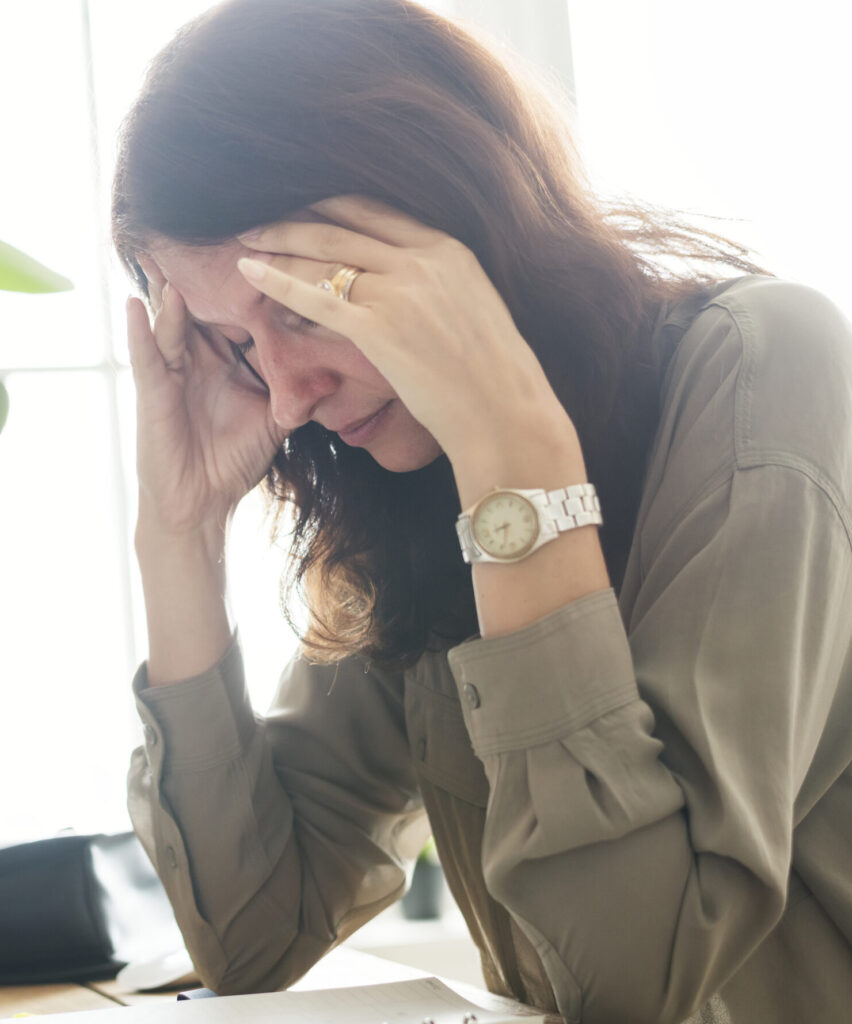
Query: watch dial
[[505, 525]]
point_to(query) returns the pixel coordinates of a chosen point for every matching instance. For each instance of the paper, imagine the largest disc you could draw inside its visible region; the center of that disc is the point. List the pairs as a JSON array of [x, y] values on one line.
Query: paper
[[401, 1002]]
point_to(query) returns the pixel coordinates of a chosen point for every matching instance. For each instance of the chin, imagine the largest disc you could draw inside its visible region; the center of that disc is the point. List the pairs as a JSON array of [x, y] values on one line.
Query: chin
[[402, 458]]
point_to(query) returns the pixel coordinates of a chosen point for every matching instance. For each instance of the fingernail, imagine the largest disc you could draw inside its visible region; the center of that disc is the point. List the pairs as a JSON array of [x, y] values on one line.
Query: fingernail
[[254, 270], [251, 236]]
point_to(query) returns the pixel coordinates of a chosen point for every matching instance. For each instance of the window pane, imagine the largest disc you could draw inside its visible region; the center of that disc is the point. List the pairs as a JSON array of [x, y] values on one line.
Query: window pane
[[66, 722], [254, 572], [48, 191]]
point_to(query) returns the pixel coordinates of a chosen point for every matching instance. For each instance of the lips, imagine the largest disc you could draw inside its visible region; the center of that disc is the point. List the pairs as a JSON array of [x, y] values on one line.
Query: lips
[[350, 428], [355, 424], [362, 432]]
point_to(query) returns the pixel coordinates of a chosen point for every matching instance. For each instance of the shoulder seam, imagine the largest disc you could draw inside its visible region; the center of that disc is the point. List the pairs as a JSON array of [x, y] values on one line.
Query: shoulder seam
[[766, 459], [754, 458], [745, 376], [780, 459]]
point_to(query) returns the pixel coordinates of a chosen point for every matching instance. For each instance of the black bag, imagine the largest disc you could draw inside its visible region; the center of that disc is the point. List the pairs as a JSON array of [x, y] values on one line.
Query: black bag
[[80, 907]]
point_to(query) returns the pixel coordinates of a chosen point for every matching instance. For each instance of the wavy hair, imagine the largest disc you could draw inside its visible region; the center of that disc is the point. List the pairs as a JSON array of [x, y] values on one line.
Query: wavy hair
[[261, 107]]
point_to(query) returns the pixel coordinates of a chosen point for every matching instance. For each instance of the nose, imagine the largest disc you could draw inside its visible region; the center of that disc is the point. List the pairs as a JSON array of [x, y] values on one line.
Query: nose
[[297, 375]]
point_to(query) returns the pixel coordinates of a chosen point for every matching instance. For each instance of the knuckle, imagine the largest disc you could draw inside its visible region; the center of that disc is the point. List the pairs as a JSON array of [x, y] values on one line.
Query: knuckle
[[454, 249], [414, 262], [369, 203], [327, 240]]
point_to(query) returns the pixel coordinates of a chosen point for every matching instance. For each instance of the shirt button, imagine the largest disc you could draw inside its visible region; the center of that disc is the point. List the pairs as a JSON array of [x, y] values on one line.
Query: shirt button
[[471, 694], [171, 856], [150, 736]]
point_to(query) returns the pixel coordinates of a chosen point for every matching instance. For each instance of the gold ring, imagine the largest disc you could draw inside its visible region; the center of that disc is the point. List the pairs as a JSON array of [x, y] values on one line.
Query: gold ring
[[340, 283]]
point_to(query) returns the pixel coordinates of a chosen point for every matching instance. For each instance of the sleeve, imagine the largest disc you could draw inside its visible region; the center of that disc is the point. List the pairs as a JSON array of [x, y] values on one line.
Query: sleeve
[[643, 800], [275, 838]]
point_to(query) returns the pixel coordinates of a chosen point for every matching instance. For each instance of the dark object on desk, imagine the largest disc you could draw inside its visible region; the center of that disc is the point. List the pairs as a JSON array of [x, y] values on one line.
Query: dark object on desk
[[197, 993], [423, 900], [79, 907]]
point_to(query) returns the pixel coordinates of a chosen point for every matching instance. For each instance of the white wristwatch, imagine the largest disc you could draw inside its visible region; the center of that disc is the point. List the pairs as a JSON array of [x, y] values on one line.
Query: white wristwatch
[[507, 525]]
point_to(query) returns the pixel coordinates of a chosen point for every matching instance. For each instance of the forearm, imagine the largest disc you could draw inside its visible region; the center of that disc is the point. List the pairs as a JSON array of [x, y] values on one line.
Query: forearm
[[275, 839], [511, 596], [184, 583]]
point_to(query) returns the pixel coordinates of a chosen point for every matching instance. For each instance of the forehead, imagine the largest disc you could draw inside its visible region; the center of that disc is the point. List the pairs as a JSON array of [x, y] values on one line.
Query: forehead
[[207, 277]]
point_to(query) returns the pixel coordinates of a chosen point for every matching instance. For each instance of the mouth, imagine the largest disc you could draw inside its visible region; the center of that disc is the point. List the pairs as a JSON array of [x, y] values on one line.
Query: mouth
[[360, 431]]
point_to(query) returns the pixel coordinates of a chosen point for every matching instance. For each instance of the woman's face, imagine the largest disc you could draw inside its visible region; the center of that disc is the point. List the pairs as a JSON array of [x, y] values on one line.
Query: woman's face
[[311, 372]]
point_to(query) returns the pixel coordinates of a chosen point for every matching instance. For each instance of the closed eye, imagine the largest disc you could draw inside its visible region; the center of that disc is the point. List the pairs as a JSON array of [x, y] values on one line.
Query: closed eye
[[241, 350], [294, 323]]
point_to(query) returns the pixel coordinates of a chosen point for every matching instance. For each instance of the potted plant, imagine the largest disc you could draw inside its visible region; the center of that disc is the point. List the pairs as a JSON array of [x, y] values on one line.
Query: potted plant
[[21, 273], [425, 894]]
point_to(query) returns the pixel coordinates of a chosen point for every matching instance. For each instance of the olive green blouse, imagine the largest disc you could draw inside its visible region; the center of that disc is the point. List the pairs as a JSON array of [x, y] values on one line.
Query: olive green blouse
[[643, 802]]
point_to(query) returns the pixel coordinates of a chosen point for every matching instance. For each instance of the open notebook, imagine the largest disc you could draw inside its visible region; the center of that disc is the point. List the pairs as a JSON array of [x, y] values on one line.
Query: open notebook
[[399, 1002]]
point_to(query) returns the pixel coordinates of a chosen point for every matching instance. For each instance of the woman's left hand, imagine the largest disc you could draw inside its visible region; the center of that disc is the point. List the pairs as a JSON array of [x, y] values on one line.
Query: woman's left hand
[[425, 314]]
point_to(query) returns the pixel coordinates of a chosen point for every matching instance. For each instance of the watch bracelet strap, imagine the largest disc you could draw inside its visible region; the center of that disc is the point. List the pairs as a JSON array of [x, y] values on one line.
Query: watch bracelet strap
[[574, 506], [565, 508]]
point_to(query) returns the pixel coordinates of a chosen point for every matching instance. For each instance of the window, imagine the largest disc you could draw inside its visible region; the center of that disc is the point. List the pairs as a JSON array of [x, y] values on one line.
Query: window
[[70, 606]]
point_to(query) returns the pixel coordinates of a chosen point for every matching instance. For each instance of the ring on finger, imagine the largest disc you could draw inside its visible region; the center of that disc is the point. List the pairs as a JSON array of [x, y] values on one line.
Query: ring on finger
[[340, 283]]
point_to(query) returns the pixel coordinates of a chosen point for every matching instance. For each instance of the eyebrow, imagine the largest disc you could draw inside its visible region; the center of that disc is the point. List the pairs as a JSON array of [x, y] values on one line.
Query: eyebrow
[[256, 301]]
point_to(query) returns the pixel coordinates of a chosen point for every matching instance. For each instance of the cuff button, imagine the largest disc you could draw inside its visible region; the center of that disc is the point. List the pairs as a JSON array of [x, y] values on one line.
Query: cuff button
[[471, 694]]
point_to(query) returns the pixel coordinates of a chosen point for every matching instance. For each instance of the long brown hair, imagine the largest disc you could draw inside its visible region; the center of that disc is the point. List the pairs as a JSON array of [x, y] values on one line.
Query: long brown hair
[[261, 107]]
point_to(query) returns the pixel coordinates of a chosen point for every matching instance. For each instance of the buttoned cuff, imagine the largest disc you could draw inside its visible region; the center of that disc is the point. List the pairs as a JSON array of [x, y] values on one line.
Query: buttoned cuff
[[547, 680], [201, 721]]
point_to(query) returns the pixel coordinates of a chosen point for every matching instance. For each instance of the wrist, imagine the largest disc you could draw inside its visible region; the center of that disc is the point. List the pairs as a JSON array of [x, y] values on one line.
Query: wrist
[[154, 535], [184, 583], [546, 455]]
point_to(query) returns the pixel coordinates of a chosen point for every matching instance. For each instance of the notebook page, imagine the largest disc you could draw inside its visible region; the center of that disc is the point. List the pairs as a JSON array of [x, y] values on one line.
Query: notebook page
[[401, 1002]]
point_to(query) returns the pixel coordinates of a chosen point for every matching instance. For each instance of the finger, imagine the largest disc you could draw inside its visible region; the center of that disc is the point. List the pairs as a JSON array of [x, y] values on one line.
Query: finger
[[323, 242], [304, 298], [313, 272], [145, 358], [170, 328], [378, 220]]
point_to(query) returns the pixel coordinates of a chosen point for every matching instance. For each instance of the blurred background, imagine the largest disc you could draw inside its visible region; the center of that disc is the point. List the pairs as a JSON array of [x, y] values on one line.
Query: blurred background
[[733, 108]]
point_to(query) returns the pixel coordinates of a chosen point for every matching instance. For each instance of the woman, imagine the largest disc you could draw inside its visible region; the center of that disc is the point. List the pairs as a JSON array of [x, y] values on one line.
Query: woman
[[380, 281]]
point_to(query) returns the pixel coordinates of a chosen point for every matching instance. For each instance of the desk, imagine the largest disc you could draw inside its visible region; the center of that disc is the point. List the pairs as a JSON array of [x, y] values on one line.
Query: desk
[[341, 968], [66, 998]]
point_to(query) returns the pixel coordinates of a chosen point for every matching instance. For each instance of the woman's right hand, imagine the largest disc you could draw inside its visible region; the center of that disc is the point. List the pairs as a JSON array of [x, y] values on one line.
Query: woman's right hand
[[205, 432]]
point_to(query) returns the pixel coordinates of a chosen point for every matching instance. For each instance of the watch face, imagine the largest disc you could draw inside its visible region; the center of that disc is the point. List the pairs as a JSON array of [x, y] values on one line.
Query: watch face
[[505, 525]]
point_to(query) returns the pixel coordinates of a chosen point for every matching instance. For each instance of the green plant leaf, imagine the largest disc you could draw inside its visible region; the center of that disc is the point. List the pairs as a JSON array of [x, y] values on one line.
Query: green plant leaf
[[4, 404], [21, 273], [429, 852]]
